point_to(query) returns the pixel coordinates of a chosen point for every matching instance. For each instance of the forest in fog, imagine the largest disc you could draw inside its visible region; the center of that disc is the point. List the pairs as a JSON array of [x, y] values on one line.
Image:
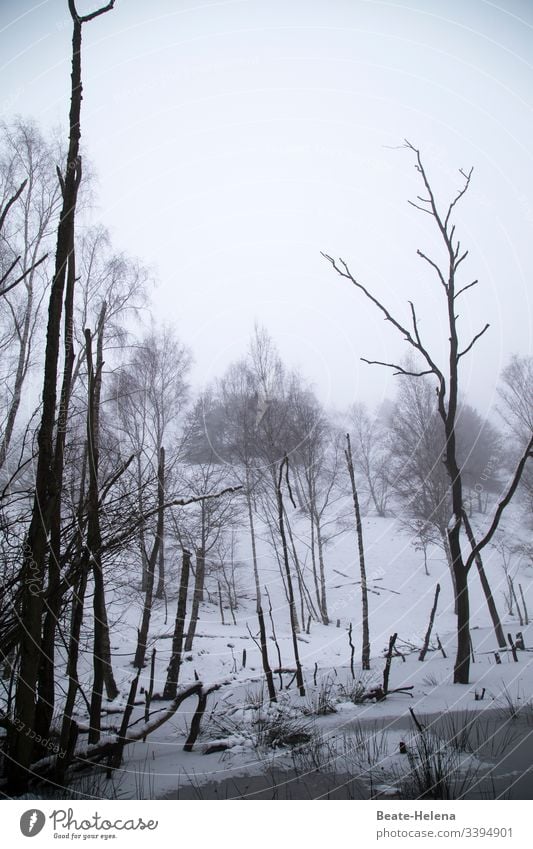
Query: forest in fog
[[220, 567]]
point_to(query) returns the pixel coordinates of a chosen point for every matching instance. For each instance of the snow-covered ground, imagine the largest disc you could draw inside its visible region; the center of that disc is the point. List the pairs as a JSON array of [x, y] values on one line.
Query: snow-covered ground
[[400, 601]]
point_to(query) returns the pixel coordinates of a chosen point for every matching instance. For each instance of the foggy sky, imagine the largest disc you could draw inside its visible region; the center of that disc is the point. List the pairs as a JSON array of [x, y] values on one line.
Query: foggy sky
[[233, 141]]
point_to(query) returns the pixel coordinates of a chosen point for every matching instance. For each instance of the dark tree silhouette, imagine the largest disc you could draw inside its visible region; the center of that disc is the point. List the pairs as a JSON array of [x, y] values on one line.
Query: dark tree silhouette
[[447, 388]]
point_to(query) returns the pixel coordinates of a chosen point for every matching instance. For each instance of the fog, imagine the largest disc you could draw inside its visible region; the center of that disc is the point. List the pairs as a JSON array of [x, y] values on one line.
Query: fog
[[234, 141]]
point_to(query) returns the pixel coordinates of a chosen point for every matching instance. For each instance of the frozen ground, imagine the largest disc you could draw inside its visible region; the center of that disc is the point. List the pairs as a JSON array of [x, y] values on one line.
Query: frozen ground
[[400, 601]]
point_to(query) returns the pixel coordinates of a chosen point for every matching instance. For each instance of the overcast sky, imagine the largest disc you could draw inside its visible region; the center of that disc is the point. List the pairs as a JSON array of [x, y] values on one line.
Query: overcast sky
[[234, 141]]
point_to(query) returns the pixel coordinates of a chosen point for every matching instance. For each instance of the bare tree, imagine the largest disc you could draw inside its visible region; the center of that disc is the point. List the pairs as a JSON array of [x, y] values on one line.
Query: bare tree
[[516, 409], [103, 673], [316, 459], [283, 477], [417, 473], [27, 158], [149, 394], [516, 393], [241, 412], [371, 455], [447, 389], [205, 527], [419, 477], [365, 652], [46, 486]]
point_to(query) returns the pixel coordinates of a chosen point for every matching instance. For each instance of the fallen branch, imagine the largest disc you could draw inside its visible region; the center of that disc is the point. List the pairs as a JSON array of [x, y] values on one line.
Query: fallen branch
[[109, 749]]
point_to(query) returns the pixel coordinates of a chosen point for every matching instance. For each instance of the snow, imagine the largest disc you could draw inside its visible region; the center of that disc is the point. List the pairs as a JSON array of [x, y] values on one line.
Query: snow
[[400, 600]]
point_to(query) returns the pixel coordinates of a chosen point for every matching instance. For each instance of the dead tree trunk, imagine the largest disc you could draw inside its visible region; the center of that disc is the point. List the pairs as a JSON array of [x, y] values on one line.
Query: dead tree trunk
[[259, 607], [388, 661], [142, 523], [197, 596], [160, 592], [427, 638], [313, 560], [20, 746], [102, 669], [447, 385], [171, 685], [491, 604], [196, 722], [515, 598], [110, 686], [305, 595], [140, 653], [284, 466], [46, 690], [78, 601], [447, 553], [365, 653], [320, 546]]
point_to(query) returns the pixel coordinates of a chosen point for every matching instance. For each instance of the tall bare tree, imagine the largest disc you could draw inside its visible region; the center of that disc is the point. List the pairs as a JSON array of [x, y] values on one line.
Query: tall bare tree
[[447, 386], [365, 650], [149, 394], [516, 409], [371, 455], [46, 485], [26, 158]]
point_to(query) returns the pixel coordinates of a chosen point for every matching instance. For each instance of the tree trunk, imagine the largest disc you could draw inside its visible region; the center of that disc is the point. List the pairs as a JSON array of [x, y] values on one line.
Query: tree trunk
[[46, 686], [171, 685], [109, 681], [462, 662], [427, 638], [20, 375], [259, 608], [142, 535], [292, 604], [313, 560], [140, 653], [102, 670], [323, 599], [305, 595], [36, 544], [365, 653], [498, 630], [160, 592], [78, 601], [449, 560], [197, 595]]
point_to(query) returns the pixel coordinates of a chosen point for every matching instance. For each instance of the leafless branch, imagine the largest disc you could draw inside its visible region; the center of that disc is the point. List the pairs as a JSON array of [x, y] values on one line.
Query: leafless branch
[[473, 342], [460, 193], [61, 180], [176, 502], [83, 19], [415, 323], [29, 270], [459, 259], [114, 478], [420, 208], [9, 270], [469, 286], [528, 454], [10, 203], [345, 272], [435, 266], [399, 369]]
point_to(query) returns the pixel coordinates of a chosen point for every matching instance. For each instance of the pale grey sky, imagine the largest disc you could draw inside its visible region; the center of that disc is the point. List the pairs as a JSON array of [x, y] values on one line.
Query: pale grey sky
[[235, 140]]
